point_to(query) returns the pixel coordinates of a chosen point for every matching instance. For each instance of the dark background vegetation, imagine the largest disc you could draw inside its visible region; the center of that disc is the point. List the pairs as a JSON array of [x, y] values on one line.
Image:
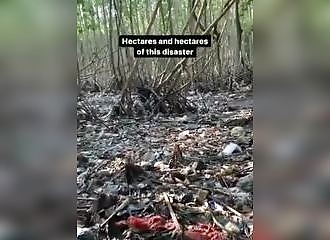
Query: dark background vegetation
[[103, 65]]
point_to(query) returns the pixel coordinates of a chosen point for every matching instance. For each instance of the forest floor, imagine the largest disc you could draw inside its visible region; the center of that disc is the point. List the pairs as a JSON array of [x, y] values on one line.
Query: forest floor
[[193, 175]]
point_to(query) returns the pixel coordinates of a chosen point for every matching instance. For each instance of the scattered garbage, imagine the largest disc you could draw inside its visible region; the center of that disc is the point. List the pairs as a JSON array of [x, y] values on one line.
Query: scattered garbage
[[154, 223], [126, 166], [237, 131], [204, 232], [157, 224], [231, 148]]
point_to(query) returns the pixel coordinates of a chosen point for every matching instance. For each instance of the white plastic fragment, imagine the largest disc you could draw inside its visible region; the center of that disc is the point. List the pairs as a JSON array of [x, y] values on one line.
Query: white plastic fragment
[[231, 148]]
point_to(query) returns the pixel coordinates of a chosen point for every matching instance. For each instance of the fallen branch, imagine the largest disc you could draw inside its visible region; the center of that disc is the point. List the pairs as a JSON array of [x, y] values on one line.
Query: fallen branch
[[119, 208], [86, 199], [216, 222], [172, 213], [234, 211]]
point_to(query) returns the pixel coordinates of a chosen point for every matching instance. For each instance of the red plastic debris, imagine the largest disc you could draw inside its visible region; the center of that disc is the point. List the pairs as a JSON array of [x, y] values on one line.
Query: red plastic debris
[[203, 232], [158, 224], [154, 223]]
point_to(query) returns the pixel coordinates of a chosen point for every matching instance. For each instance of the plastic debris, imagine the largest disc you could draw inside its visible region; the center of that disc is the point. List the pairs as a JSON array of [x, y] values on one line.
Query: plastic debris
[[203, 232], [155, 224], [231, 148]]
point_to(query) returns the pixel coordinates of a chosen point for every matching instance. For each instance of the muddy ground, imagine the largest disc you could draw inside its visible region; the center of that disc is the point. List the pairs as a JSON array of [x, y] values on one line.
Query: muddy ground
[[193, 168]]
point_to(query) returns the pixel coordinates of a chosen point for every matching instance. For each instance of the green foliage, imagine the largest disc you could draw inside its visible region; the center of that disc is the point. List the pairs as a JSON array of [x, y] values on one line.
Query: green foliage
[[87, 21], [80, 2]]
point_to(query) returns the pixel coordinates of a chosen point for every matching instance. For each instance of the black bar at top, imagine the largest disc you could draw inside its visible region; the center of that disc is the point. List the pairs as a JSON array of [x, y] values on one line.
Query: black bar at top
[[157, 37]]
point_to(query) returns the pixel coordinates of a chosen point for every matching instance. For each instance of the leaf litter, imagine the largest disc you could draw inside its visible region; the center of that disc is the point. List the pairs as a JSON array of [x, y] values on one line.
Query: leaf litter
[[186, 176]]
